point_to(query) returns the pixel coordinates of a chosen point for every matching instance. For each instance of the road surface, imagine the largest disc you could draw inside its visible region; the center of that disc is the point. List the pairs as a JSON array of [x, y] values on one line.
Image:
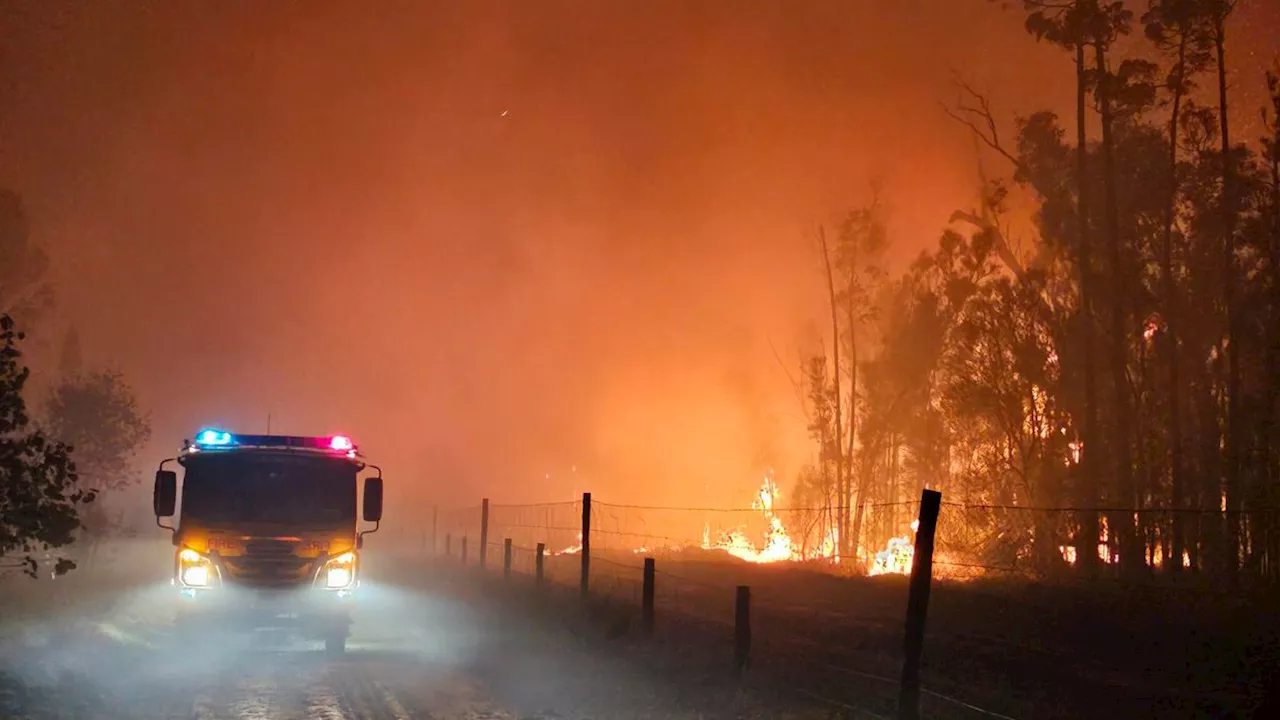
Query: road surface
[[414, 653]]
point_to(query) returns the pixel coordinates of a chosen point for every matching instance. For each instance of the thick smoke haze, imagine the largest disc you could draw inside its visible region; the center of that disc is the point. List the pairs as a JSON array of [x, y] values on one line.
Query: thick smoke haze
[[492, 241]]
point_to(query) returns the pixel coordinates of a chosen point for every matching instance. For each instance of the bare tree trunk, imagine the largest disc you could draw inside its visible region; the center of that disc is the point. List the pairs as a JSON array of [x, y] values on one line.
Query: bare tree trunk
[[1087, 473], [842, 483], [1228, 296], [1122, 525], [1210, 528], [853, 429], [1174, 418], [853, 425], [860, 513]]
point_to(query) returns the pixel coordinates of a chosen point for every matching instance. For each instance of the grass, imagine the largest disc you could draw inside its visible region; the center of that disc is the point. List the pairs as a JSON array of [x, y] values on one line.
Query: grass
[[1013, 647]]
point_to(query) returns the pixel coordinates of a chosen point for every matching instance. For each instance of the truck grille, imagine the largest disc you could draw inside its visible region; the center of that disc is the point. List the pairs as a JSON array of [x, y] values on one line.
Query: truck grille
[[268, 564]]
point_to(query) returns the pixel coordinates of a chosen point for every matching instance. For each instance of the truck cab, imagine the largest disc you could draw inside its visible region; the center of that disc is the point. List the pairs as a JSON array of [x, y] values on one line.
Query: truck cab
[[268, 535]]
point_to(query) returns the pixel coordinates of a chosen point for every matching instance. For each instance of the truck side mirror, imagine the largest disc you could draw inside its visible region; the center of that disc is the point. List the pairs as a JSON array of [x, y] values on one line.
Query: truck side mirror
[[164, 498], [373, 499]]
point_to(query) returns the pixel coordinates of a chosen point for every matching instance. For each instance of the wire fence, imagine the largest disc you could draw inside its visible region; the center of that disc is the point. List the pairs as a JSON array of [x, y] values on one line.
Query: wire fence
[[975, 540], [1182, 549], [824, 631]]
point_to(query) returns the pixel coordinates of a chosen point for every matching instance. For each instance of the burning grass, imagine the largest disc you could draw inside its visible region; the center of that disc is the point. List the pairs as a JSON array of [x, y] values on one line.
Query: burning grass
[[763, 537]]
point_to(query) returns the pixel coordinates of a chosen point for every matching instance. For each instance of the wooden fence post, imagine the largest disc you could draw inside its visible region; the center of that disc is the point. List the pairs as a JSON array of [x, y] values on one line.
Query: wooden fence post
[[584, 582], [448, 544], [464, 549], [506, 559], [918, 605], [646, 598], [484, 532], [435, 527], [741, 629], [537, 564]]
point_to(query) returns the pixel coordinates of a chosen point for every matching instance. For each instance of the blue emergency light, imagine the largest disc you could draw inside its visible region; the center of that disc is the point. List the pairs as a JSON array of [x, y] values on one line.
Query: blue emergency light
[[213, 438]]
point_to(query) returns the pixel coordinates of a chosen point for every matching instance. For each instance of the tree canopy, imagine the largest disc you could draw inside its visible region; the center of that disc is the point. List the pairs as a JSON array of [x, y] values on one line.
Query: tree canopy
[[97, 413], [1147, 304], [40, 496]]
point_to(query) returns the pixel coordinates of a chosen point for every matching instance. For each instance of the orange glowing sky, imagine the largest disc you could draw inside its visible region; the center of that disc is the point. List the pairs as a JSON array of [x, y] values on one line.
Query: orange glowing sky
[[491, 240]]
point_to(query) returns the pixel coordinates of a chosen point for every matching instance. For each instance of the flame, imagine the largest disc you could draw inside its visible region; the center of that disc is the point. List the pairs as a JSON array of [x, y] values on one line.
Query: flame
[[1109, 556], [897, 557], [777, 546]]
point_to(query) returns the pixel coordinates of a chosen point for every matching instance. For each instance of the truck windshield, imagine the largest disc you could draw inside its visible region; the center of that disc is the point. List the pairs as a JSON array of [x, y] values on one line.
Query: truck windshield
[[269, 488]]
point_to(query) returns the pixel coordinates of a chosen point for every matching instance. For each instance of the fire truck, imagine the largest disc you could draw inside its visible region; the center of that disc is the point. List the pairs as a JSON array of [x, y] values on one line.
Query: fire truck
[[268, 536]]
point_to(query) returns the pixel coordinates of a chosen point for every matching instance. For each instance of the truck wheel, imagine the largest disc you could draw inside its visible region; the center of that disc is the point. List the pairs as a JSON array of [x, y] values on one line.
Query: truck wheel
[[335, 644]]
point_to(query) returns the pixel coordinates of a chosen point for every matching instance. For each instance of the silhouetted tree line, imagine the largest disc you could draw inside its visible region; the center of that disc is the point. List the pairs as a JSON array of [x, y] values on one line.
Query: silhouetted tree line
[[1122, 369], [53, 467]]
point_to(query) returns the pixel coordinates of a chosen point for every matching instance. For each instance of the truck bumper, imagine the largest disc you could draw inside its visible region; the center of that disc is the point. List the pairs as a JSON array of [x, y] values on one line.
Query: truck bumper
[[321, 613]]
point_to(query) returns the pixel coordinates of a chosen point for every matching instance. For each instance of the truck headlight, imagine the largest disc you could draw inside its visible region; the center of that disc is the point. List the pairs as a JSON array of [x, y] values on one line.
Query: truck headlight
[[340, 571], [194, 569]]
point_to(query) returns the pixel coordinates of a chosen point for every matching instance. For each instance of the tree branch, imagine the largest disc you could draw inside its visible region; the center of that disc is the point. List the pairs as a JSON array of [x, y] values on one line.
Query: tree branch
[[796, 384], [973, 108]]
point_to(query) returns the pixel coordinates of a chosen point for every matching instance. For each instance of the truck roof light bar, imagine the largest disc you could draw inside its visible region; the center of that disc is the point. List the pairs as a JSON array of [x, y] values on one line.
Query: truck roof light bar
[[213, 439]]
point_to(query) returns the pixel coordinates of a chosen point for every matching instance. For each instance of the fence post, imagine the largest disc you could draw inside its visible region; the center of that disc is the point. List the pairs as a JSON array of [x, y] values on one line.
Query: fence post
[[464, 549], [586, 545], [506, 559], [484, 532], [646, 601], [537, 564], [918, 605], [435, 527], [741, 629]]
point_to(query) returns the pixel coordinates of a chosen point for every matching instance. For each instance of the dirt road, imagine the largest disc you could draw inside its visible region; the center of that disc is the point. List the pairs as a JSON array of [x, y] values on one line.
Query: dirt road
[[285, 685], [417, 651], [412, 655]]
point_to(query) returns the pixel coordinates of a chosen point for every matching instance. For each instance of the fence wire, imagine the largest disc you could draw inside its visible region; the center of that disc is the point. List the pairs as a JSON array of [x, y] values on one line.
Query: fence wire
[[806, 613]]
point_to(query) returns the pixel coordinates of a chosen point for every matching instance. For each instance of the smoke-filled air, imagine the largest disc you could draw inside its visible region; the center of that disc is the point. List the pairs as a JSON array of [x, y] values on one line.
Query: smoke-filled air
[[668, 359]]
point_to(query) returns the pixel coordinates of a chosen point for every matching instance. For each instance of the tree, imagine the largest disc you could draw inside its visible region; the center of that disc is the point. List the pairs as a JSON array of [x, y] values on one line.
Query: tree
[[1002, 391], [1219, 11], [852, 266], [1106, 24], [984, 369], [1268, 424], [816, 485], [97, 413], [40, 496], [1069, 25], [1177, 27]]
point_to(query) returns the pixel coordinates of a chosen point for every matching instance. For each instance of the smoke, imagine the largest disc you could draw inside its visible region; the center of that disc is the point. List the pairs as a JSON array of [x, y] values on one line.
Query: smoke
[[106, 634], [491, 241]]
